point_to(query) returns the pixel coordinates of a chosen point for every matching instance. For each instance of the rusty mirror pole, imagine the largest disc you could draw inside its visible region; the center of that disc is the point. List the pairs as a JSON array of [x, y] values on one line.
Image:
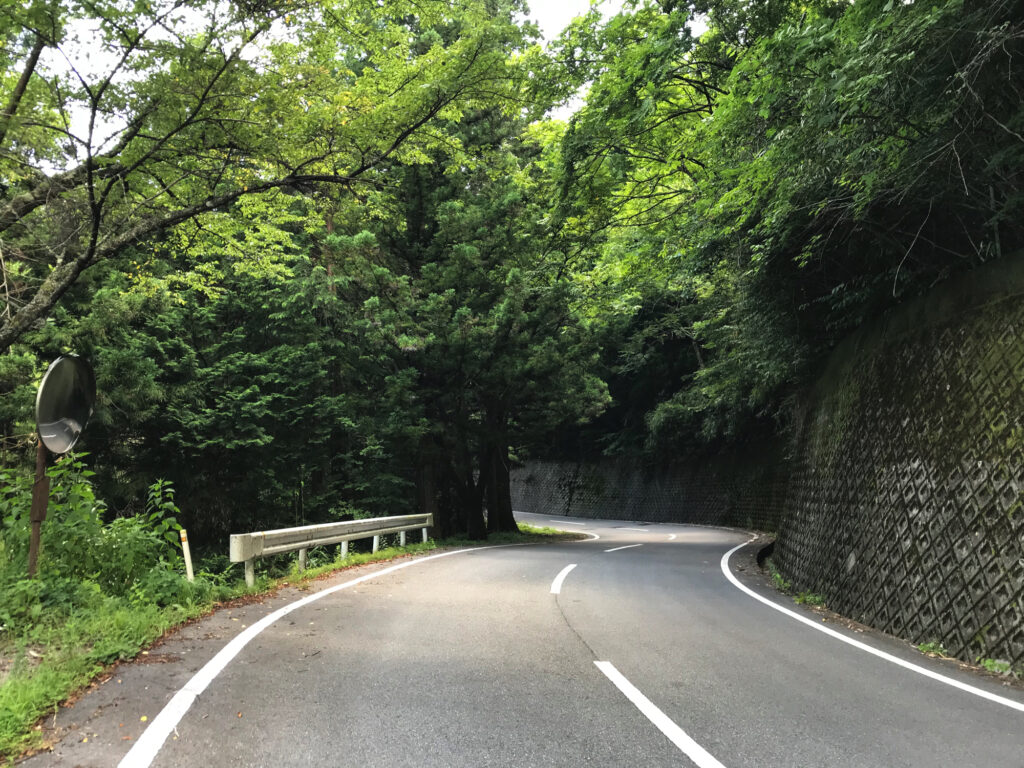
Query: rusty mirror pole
[[64, 404]]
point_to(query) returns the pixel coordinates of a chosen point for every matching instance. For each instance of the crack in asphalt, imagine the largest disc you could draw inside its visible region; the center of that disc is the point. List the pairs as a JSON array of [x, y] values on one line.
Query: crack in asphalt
[[582, 640]]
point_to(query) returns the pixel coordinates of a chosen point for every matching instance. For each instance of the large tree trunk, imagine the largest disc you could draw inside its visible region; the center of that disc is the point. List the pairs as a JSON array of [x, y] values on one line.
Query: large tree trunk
[[470, 491], [494, 469], [476, 529], [473, 505], [499, 492], [426, 491]]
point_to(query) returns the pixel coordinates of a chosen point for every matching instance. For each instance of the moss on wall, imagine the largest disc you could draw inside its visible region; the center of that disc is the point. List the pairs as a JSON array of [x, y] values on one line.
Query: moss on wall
[[905, 513]]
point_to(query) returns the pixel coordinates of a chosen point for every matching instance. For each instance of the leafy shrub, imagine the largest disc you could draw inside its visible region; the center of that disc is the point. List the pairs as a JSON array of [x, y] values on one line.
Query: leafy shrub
[[25, 603], [779, 580], [74, 518], [82, 558], [164, 586], [15, 505]]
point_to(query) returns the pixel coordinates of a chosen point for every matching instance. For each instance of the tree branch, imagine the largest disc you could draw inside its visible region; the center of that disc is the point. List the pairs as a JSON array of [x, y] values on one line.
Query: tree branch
[[20, 87]]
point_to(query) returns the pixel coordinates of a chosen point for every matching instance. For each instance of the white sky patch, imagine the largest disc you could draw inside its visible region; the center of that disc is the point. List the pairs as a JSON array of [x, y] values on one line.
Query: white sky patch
[[553, 17]]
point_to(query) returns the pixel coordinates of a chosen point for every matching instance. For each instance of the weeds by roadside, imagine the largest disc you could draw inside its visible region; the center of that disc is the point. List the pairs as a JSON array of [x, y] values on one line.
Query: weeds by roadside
[[777, 578], [810, 598], [933, 649], [802, 598], [526, 534], [995, 666], [104, 590]]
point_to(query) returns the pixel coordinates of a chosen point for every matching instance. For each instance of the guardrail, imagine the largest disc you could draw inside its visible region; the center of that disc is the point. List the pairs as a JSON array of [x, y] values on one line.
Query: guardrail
[[246, 547]]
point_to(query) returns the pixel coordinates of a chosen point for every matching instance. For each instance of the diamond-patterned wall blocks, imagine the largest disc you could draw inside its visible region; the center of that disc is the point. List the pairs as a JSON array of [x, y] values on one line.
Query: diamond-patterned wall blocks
[[902, 501], [947, 466]]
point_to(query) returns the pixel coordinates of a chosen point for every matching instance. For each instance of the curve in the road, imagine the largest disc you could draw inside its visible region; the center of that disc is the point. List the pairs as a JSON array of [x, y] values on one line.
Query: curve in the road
[[671, 730], [858, 644]]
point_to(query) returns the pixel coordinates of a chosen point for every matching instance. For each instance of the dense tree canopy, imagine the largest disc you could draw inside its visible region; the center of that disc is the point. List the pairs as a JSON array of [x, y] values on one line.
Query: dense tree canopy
[[797, 169], [140, 116], [330, 258]]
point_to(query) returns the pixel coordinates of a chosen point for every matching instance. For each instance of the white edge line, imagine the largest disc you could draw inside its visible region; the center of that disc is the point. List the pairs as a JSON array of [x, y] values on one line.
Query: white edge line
[[565, 522], [864, 646], [638, 530], [671, 537], [663, 722], [556, 585], [628, 546], [145, 749], [593, 536]]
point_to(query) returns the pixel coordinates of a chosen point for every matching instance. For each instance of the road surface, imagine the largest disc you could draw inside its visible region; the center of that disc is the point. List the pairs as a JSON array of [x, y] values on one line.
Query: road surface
[[631, 647]]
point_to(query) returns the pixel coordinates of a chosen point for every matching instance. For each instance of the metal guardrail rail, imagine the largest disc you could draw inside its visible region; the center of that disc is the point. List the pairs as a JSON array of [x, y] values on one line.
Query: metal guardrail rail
[[246, 547]]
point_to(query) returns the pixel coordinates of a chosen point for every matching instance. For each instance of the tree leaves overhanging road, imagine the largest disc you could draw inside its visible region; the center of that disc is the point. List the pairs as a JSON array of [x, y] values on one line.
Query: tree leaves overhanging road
[[331, 258]]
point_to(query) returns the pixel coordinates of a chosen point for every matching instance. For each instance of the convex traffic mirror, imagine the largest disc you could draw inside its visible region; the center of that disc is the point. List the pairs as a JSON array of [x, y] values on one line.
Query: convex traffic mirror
[[65, 402]]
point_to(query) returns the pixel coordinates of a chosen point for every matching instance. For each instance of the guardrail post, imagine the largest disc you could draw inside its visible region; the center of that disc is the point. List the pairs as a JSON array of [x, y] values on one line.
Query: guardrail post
[[424, 535], [401, 539], [186, 552], [250, 572], [344, 550], [376, 543], [303, 555]]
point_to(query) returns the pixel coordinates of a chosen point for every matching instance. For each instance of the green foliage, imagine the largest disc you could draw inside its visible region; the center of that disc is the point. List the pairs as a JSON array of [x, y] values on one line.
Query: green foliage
[[809, 598], [754, 195], [160, 508], [777, 578], [76, 543], [995, 666], [82, 558], [312, 350], [68, 652], [17, 371], [932, 647], [230, 104], [103, 590], [679, 257]]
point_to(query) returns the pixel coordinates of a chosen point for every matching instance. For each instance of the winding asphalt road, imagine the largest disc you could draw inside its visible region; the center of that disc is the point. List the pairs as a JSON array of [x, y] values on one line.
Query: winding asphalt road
[[629, 648]]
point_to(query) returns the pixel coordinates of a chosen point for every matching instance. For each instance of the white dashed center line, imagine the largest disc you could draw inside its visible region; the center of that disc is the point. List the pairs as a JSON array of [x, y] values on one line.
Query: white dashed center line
[[556, 585], [700, 756]]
